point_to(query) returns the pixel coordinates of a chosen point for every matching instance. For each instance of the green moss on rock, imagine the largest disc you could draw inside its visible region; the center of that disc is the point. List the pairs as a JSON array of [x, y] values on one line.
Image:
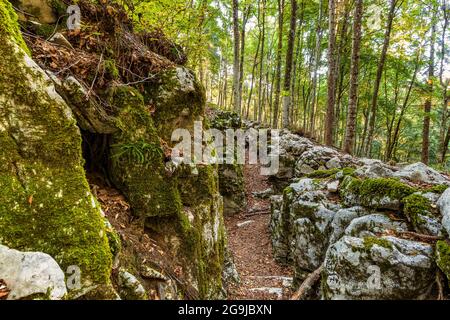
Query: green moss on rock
[[369, 242], [45, 203], [9, 28], [443, 257], [416, 205], [372, 192]]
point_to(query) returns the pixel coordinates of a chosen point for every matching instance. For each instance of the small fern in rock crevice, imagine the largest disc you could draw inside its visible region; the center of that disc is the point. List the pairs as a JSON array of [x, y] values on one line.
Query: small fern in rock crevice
[[140, 152]]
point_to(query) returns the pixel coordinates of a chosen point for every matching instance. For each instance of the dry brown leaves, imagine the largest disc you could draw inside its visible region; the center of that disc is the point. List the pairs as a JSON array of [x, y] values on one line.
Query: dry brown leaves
[[4, 291]]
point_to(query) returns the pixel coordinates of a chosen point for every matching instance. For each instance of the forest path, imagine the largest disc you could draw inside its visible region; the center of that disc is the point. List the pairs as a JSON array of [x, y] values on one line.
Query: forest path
[[249, 241]]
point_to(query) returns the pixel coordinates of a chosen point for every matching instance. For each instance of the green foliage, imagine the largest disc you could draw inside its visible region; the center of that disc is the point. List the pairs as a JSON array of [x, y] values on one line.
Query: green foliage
[[416, 206], [443, 257], [139, 152], [369, 242]]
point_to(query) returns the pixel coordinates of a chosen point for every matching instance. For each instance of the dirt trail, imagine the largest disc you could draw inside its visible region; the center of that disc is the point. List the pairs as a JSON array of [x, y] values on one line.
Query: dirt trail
[[261, 277]]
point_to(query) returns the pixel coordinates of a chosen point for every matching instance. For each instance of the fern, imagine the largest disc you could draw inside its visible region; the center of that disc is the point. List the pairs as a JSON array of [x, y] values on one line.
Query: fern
[[139, 152]]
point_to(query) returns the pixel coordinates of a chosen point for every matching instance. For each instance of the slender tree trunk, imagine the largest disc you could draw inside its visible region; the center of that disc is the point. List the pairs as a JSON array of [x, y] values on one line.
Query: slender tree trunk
[[329, 121], [427, 118], [396, 135], [261, 62], [236, 68], [382, 62], [443, 147], [297, 65], [278, 68], [241, 64], [317, 55], [354, 76], [288, 68]]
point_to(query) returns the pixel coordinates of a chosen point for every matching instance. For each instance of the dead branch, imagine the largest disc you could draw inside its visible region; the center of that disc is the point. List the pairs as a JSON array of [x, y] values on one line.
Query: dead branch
[[419, 236], [308, 284]]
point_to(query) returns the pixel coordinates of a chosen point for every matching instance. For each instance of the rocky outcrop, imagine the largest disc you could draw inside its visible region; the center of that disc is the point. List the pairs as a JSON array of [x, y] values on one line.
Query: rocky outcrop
[[231, 175], [353, 217], [47, 205]]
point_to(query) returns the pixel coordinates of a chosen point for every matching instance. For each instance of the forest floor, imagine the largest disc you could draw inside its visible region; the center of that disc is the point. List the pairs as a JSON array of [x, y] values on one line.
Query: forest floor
[[249, 241]]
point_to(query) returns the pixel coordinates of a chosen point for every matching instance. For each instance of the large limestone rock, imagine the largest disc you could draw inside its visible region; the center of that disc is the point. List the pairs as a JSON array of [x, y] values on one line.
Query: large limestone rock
[[300, 225], [46, 205], [444, 207], [291, 147], [376, 193], [179, 100], [180, 203], [232, 188], [372, 224], [31, 275], [419, 172], [373, 268]]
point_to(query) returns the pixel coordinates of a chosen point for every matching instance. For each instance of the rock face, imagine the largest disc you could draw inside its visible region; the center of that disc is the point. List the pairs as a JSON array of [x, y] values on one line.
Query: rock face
[[351, 216], [444, 207], [378, 268], [31, 275], [419, 172], [46, 202], [231, 186], [231, 175]]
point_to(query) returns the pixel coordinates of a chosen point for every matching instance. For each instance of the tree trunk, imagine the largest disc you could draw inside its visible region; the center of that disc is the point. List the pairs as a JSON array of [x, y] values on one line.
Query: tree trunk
[[396, 135], [444, 85], [354, 75], [382, 62], [288, 68], [276, 106], [329, 121], [261, 62], [241, 64], [316, 63], [236, 80], [427, 107]]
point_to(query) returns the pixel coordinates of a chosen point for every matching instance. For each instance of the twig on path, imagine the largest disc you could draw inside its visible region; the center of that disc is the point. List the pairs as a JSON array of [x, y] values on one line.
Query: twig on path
[[308, 284], [257, 213]]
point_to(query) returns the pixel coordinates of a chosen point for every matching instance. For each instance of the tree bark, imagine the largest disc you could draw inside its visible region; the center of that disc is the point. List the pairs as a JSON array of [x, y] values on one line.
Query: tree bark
[[261, 62], [354, 75], [444, 85], [427, 107], [380, 70], [329, 120], [288, 68], [276, 106], [236, 69], [316, 63], [242, 55]]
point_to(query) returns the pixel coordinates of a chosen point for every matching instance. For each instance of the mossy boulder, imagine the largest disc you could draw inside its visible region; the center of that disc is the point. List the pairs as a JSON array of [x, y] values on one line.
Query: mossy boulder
[[421, 213], [180, 204], [178, 98], [137, 165], [443, 257], [45, 201], [377, 193]]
